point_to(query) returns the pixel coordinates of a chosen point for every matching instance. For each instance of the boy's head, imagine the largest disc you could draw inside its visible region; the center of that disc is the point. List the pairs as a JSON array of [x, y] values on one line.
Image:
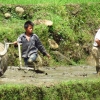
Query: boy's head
[[27, 23], [28, 26]]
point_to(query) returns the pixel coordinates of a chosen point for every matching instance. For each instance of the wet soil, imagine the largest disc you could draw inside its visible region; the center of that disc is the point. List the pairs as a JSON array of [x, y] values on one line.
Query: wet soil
[[51, 75]]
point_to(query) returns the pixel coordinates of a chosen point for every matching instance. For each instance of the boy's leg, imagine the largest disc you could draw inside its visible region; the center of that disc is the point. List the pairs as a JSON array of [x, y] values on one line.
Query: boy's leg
[[96, 55], [26, 64], [26, 61], [32, 58], [38, 62]]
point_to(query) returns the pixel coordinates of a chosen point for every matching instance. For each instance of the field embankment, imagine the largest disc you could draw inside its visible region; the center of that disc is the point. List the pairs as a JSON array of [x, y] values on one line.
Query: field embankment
[[72, 90]]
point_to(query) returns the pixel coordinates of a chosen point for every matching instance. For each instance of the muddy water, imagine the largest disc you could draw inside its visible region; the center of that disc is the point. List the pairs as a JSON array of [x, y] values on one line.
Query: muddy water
[[51, 75]]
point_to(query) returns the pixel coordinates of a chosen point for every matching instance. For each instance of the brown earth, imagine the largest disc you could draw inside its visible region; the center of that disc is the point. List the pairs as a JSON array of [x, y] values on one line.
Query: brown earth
[[51, 75]]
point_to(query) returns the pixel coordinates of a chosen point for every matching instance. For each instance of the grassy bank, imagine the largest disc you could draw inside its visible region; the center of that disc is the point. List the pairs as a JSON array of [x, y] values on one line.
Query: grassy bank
[[45, 1], [72, 90], [74, 27]]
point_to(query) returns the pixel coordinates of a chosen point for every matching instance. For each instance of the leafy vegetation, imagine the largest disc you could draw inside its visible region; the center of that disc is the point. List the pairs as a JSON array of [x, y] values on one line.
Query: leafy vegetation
[[74, 26], [70, 90]]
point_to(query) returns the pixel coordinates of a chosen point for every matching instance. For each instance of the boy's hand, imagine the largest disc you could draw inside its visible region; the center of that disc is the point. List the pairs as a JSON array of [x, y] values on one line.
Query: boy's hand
[[48, 55], [15, 42]]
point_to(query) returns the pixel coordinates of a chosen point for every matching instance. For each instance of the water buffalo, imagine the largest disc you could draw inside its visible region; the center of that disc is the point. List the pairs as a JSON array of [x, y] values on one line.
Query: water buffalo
[[3, 58]]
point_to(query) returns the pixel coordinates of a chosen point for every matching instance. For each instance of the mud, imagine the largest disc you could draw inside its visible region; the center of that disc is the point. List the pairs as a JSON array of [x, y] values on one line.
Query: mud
[[51, 75]]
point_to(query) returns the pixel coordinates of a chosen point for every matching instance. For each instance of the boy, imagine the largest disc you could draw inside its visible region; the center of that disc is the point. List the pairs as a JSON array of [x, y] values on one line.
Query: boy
[[30, 44]]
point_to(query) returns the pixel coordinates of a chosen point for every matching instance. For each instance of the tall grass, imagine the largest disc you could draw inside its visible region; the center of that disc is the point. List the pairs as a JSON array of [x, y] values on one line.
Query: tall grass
[[45, 1]]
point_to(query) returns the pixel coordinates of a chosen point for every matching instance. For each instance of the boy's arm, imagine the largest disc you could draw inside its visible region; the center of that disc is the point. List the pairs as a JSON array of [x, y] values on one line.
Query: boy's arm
[[41, 47], [97, 41]]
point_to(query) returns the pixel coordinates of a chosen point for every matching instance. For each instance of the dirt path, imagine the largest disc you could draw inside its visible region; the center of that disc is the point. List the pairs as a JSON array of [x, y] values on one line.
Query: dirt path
[[51, 76]]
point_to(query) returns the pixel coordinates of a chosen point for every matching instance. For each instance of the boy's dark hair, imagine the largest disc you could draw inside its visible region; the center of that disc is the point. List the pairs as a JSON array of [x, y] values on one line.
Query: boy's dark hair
[[27, 23]]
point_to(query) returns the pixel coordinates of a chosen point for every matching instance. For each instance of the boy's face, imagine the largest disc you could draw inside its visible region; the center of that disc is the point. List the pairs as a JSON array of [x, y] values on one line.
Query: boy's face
[[29, 30]]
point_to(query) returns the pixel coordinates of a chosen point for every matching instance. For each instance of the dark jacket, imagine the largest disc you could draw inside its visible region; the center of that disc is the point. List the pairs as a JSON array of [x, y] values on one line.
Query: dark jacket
[[31, 46]]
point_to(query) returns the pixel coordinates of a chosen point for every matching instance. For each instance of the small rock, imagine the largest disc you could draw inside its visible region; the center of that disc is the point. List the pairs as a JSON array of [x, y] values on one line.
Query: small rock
[[19, 10], [53, 44], [45, 22], [7, 15]]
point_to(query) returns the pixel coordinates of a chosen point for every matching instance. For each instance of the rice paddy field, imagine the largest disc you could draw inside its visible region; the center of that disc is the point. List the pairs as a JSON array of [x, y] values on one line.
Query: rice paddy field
[[45, 1], [76, 21]]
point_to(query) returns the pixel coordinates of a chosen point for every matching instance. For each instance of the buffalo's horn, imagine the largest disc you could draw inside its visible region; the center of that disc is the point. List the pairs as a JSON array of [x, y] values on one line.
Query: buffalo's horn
[[6, 46]]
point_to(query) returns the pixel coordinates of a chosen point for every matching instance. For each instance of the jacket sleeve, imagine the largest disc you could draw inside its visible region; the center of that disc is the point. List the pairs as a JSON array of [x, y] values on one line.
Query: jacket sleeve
[[19, 39], [40, 46]]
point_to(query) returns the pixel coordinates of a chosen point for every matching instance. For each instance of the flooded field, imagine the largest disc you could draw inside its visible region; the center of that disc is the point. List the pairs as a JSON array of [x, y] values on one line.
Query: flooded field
[[50, 76]]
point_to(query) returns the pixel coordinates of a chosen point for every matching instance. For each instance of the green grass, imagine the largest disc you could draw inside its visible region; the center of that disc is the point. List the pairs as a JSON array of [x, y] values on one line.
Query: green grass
[[67, 90], [45, 1]]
